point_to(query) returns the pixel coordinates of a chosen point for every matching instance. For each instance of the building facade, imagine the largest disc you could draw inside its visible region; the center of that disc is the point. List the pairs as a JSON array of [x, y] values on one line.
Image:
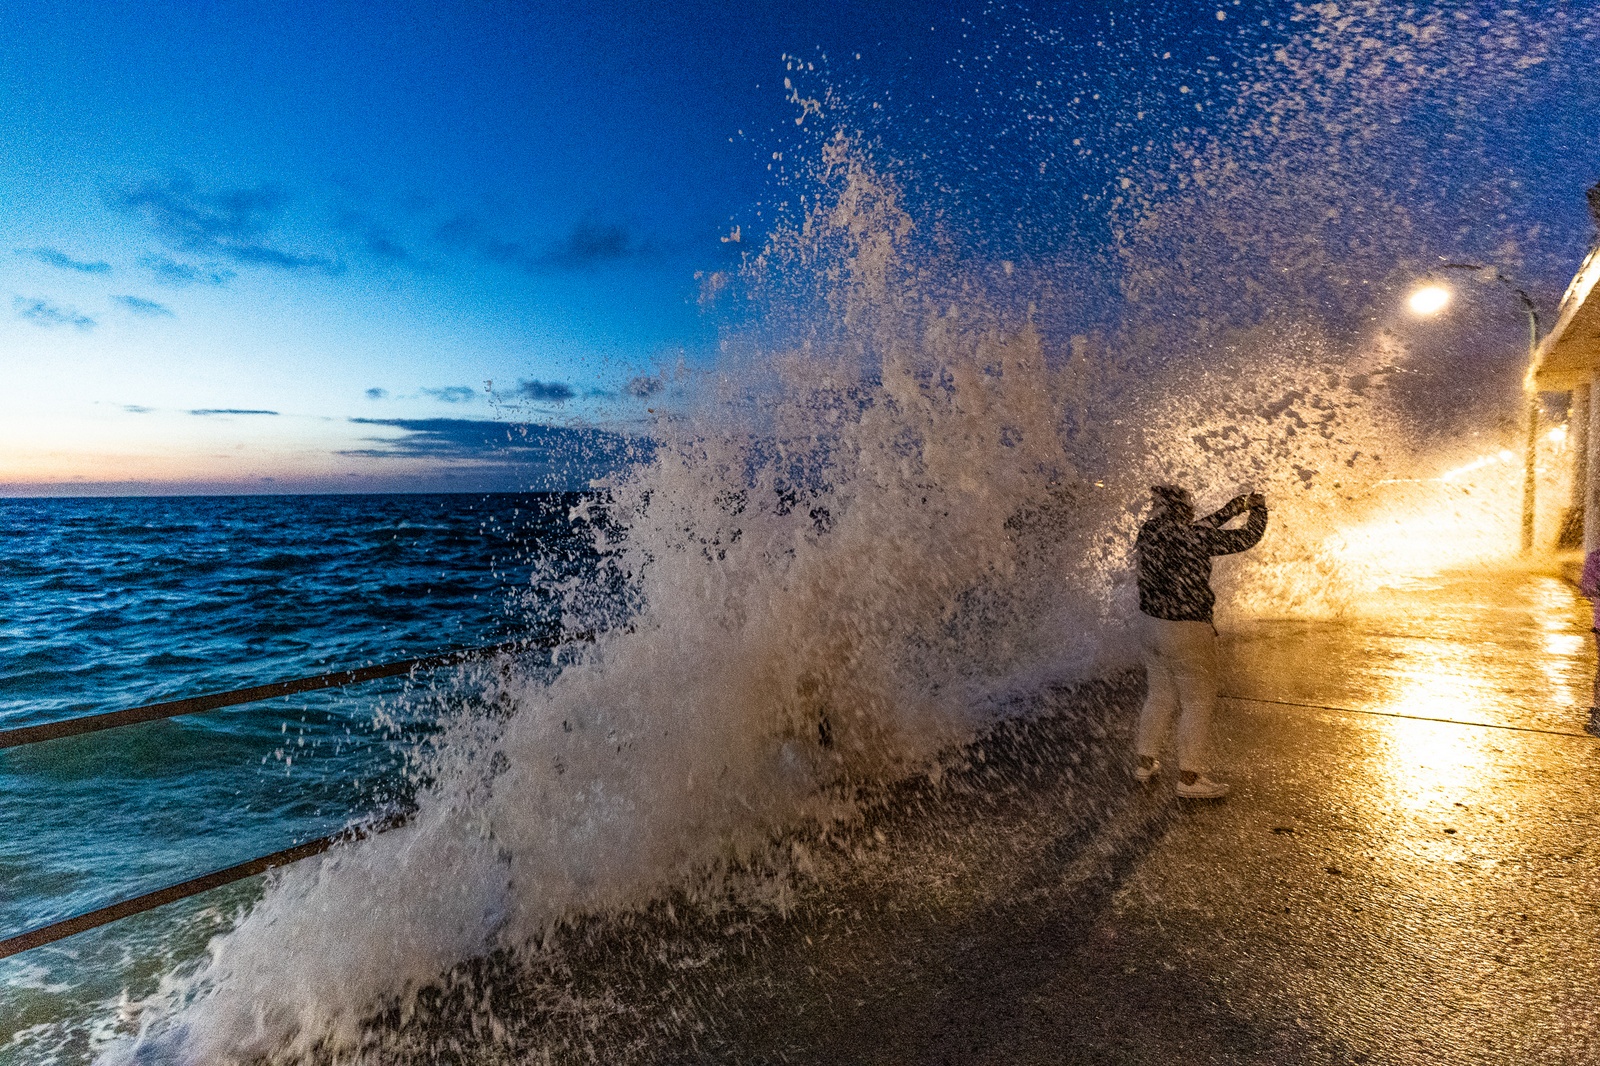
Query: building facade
[[1569, 361]]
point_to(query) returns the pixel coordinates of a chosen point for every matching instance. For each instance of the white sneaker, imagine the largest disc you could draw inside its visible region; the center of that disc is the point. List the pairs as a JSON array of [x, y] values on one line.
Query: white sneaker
[[1143, 773], [1202, 788]]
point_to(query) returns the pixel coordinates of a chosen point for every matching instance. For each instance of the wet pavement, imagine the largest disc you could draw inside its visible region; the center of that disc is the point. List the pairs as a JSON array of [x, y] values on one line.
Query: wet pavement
[[1382, 887]]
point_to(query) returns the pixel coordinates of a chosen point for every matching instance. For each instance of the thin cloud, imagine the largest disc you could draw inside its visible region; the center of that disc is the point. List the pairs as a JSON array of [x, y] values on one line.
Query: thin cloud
[[545, 391], [137, 409], [232, 224], [47, 315], [525, 455], [644, 386], [482, 439], [171, 272], [376, 239], [590, 243], [63, 261], [467, 234], [381, 243], [206, 411], [452, 394], [140, 306], [376, 393], [454, 438]]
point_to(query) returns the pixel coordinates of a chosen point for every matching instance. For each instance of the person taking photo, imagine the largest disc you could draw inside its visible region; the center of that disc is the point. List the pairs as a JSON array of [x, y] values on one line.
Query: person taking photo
[[1177, 640]]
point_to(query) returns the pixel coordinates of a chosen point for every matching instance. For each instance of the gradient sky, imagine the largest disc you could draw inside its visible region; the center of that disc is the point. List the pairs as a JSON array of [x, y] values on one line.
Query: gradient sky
[[342, 211], [276, 246]]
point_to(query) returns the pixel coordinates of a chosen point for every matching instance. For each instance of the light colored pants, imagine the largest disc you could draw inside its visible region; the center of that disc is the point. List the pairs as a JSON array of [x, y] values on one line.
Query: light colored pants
[[1594, 703], [1180, 665]]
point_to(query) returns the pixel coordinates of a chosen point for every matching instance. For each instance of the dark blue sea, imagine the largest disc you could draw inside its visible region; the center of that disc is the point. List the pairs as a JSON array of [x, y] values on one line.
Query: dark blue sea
[[112, 603]]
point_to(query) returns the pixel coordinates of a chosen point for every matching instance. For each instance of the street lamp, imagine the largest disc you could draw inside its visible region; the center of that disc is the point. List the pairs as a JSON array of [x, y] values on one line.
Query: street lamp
[[1430, 299]]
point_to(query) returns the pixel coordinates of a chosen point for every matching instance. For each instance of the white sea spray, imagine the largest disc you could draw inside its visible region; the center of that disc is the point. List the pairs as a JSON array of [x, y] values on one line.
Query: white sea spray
[[831, 585]]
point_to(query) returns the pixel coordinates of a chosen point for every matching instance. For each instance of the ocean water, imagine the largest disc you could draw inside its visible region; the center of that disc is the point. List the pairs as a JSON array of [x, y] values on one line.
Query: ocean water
[[109, 603]]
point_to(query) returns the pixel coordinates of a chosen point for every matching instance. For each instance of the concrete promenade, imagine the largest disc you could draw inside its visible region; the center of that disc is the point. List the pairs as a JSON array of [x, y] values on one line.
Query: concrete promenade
[[1407, 872]]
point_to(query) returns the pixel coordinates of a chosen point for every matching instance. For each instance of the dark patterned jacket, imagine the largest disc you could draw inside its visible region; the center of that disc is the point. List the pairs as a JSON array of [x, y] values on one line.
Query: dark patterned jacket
[[1175, 559]]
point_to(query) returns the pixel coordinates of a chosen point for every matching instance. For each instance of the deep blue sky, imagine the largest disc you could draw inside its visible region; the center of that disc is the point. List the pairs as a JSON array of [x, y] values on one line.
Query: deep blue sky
[[258, 246]]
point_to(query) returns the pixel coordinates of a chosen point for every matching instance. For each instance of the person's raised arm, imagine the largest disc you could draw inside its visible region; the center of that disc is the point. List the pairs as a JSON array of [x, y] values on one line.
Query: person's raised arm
[[1228, 541], [1226, 513]]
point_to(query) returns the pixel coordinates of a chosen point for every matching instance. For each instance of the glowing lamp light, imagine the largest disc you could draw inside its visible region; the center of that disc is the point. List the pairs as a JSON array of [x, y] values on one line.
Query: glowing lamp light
[[1429, 300]]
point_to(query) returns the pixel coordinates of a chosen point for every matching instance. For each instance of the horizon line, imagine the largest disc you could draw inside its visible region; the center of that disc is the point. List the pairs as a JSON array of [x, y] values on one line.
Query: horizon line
[[5, 494]]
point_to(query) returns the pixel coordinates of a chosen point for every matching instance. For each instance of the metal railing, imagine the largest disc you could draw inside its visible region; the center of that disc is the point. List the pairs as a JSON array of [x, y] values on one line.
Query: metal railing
[[71, 727], [127, 908]]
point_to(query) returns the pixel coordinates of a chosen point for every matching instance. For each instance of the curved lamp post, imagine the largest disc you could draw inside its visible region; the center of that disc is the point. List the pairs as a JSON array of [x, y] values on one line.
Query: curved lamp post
[[1430, 299]]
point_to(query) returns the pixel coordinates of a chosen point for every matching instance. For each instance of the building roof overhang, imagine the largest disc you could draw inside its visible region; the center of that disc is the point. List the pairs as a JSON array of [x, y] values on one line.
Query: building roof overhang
[[1570, 354]]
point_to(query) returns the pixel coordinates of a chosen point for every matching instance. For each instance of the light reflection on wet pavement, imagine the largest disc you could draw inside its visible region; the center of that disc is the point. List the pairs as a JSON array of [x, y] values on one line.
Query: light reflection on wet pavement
[[1509, 649], [1405, 890], [1378, 889]]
